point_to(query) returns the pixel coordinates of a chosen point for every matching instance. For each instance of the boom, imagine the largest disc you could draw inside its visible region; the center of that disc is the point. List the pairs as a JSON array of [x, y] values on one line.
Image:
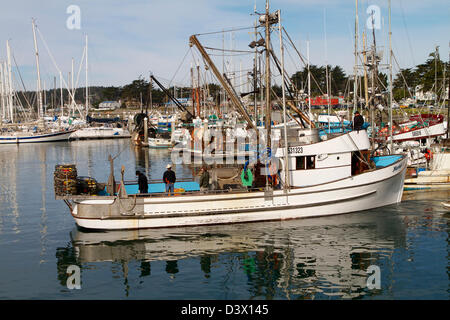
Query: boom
[[179, 105], [236, 101]]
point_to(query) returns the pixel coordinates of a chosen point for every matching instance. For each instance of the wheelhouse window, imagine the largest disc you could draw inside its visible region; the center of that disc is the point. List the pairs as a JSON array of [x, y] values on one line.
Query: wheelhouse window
[[305, 162], [310, 162], [300, 163]]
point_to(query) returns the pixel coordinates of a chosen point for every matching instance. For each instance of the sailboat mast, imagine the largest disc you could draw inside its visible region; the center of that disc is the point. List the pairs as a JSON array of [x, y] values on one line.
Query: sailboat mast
[[61, 92], [39, 92], [87, 83], [72, 90], [2, 93], [10, 86]]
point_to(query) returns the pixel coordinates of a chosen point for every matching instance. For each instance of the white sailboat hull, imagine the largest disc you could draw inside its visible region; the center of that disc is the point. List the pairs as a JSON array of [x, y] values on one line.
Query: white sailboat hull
[[357, 193], [20, 138]]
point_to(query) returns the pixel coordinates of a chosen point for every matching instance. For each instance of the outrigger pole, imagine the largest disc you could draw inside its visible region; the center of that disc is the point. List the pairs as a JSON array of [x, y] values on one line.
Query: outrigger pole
[[179, 105], [234, 99]]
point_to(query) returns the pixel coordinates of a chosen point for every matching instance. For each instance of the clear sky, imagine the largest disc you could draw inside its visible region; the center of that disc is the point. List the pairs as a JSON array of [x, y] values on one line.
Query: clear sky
[[136, 37]]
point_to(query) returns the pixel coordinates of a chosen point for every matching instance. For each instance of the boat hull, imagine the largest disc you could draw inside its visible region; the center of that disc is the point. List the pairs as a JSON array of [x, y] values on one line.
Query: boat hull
[[154, 143], [369, 190], [100, 133], [432, 131], [36, 138]]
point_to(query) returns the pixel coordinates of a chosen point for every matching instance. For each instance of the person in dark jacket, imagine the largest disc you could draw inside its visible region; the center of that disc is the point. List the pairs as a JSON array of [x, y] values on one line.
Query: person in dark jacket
[[169, 179], [204, 180], [142, 182], [358, 121]]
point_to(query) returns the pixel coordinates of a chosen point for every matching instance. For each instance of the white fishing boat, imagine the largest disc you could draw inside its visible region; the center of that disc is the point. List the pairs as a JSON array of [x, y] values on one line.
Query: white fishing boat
[[446, 205], [326, 184], [300, 177]]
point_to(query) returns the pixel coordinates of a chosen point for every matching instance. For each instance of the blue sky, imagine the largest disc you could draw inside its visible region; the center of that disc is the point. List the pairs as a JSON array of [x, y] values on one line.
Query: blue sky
[[136, 37]]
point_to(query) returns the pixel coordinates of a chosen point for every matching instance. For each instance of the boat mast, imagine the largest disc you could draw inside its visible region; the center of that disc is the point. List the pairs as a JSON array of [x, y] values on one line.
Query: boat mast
[[255, 79], [151, 95], [72, 90], [286, 158], [374, 74], [61, 92], [355, 84], [326, 62], [436, 55], [87, 84], [268, 121], [390, 82], [366, 92], [10, 86], [2, 93], [309, 80], [39, 92], [448, 103]]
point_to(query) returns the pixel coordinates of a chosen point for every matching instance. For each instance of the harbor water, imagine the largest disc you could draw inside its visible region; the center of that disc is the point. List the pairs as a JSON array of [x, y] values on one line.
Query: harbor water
[[404, 247]]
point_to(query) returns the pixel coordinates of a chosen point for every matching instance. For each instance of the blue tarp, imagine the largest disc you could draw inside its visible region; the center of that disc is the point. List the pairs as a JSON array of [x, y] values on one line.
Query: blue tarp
[[157, 188], [160, 187], [385, 161]]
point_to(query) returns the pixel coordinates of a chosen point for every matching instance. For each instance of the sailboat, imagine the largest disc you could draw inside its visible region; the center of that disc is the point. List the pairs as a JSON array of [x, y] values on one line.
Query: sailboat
[[302, 177], [37, 132]]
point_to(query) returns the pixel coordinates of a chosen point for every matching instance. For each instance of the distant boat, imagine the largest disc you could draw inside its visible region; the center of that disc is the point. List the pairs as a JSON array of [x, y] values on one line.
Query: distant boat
[[446, 204], [437, 177], [418, 127], [39, 137], [102, 132], [160, 141]]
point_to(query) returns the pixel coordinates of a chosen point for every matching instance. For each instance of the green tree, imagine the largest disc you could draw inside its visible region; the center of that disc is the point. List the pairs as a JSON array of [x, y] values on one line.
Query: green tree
[[404, 83], [337, 79]]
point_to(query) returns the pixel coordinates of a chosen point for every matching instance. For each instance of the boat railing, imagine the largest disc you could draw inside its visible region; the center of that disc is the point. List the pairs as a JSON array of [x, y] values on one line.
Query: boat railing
[[199, 192]]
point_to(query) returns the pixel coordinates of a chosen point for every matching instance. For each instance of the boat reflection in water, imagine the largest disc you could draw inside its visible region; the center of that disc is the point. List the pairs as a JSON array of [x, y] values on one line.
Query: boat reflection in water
[[298, 259]]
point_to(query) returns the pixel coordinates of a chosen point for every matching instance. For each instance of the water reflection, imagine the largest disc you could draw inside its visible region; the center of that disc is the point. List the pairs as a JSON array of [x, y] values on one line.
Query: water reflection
[[301, 259], [8, 186]]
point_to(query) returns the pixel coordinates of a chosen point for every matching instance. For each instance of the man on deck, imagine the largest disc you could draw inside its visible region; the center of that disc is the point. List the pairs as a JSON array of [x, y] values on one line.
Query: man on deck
[[358, 121], [204, 180], [142, 182], [169, 179]]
